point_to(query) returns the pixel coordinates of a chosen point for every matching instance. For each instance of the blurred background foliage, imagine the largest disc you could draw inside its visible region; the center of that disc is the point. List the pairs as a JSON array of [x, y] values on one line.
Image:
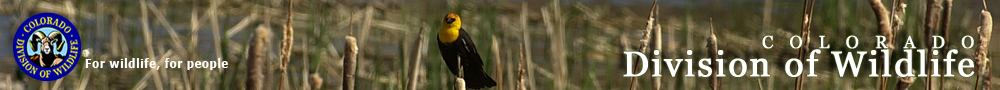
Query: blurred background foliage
[[570, 44]]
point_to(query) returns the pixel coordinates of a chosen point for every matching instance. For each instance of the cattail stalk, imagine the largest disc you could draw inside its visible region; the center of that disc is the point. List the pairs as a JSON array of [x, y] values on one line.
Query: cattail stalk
[[460, 83], [946, 19], [658, 45], [806, 24], [903, 82], [930, 28], [645, 43], [350, 59], [286, 47]]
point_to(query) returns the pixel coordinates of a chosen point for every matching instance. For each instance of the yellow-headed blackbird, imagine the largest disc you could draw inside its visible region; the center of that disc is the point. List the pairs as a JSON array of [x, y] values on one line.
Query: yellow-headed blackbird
[[455, 44]]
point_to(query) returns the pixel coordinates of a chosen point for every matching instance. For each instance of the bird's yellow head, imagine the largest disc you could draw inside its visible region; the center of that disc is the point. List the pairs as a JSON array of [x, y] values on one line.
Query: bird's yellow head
[[450, 29], [452, 21]]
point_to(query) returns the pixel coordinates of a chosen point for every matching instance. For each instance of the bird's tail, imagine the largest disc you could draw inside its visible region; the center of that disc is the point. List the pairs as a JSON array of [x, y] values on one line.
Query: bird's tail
[[478, 79]]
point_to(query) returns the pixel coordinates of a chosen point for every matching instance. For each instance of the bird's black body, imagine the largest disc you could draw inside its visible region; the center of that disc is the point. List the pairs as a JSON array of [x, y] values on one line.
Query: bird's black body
[[464, 49]]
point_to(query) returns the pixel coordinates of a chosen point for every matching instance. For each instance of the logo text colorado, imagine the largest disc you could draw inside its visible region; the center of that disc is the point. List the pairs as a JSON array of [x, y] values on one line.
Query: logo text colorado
[[46, 46]]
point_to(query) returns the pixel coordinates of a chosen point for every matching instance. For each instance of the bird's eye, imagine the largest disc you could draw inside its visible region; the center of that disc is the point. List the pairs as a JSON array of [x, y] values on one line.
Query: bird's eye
[[449, 20]]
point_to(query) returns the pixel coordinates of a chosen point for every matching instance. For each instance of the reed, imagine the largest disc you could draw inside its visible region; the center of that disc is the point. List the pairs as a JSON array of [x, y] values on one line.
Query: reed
[[645, 42], [806, 24], [555, 24], [496, 60], [412, 84], [286, 47], [520, 69], [526, 51], [658, 45]]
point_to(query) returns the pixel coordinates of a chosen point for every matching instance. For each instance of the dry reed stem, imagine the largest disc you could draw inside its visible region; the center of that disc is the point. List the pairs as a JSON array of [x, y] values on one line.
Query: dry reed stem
[[412, 84], [174, 38], [555, 26], [946, 19], [806, 24], [71, 14], [658, 45], [497, 60], [242, 24], [166, 24], [305, 70], [526, 45], [520, 68], [350, 57], [984, 6], [214, 21], [193, 42], [56, 85], [149, 42], [256, 56], [151, 72], [460, 84], [286, 46], [86, 73], [645, 42], [985, 32]]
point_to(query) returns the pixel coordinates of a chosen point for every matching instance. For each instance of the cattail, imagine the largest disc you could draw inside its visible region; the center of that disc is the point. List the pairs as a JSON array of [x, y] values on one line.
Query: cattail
[[713, 48], [459, 83], [316, 81], [350, 57], [255, 58], [931, 22], [888, 23], [985, 32]]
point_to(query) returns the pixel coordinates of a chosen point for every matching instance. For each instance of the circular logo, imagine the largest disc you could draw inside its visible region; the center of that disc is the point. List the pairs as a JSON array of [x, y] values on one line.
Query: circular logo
[[46, 46]]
